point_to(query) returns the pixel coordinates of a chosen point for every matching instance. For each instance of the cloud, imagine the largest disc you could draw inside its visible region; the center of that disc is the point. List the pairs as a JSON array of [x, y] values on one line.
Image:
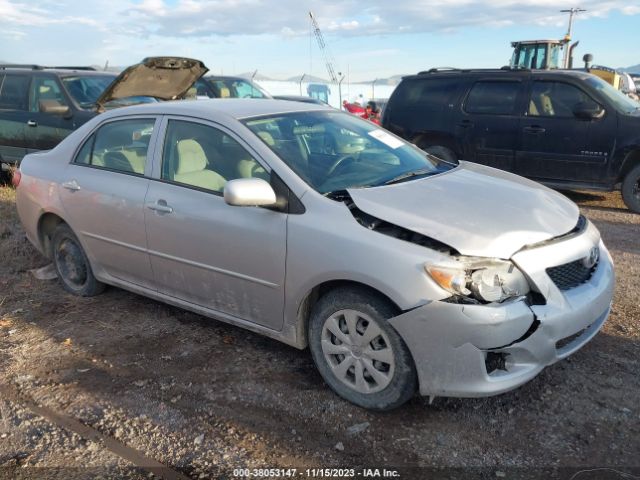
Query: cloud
[[349, 18]]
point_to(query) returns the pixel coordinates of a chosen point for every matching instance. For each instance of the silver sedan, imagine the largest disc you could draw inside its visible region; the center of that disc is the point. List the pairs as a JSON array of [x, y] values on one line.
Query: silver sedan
[[400, 271]]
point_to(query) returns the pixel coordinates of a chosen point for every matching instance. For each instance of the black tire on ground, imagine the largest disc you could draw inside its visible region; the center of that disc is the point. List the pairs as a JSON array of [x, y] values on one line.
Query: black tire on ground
[[5, 177], [72, 265], [441, 152], [631, 189], [403, 381]]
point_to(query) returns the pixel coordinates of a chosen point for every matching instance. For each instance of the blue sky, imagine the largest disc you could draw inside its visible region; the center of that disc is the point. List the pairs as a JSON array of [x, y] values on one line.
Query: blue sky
[[369, 40]]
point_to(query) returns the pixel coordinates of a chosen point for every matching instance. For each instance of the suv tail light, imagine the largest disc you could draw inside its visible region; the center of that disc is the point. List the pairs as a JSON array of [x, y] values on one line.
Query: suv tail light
[[15, 179]]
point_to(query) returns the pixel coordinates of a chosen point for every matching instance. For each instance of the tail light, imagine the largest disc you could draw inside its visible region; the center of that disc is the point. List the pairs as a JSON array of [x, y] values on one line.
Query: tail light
[[15, 179]]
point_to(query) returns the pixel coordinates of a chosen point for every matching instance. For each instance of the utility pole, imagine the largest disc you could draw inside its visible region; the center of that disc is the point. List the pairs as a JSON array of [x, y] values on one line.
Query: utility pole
[[340, 79], [572, 12]]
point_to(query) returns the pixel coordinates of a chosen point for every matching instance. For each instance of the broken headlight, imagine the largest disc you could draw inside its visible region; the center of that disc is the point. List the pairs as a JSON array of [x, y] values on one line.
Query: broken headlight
[[487, 280]]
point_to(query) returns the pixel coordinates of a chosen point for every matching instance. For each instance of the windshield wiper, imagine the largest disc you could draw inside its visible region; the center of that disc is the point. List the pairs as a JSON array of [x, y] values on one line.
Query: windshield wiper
[[410, 174]]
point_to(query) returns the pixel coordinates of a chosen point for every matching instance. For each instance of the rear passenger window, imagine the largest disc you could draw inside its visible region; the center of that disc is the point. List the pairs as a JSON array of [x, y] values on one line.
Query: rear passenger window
[[121, 146], [495, 98], [205, 157], [427, 94], [14, 92]]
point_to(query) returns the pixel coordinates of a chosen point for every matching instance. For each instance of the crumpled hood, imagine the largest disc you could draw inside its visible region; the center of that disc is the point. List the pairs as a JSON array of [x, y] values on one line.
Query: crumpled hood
[[477, 210], [165, 78]]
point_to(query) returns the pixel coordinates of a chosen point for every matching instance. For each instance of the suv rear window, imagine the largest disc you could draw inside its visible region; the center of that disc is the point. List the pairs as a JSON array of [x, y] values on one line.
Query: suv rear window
[[493, 97], [426, 94], [14, 92]]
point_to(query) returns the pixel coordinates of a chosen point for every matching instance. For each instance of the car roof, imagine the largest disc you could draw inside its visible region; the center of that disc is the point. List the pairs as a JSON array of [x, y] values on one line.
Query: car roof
[[238, 108], [60, 71], [577, 73]]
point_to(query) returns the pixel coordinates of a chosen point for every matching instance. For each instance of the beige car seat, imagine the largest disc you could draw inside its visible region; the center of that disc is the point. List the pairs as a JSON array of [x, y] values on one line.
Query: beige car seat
[[192, 167]]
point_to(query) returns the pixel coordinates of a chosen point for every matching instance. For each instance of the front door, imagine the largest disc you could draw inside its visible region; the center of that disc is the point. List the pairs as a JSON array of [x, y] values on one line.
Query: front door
[[557, 146], [46, 129], [103, 191], [488, 123], [228, 259]]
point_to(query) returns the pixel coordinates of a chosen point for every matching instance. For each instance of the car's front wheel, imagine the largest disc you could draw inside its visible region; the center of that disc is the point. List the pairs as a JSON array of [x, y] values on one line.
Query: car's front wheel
[[631, 189], [358, 353], [72, 264]]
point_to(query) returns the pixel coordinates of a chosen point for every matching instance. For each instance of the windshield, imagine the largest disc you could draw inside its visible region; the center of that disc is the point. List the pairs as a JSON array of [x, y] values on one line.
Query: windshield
[[619, 99], [127, 101], [235, 88], [333, 151], [85, 90]]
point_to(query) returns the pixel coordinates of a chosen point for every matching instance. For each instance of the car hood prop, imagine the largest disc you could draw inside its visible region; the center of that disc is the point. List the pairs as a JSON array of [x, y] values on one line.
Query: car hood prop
[[164, 78]]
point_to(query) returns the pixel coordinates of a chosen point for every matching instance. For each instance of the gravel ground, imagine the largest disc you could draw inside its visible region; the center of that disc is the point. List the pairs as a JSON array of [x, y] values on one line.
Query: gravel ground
[[204, 398]]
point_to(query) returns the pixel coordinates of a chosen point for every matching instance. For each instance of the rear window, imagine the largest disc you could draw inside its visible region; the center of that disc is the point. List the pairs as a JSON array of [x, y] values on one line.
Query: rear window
[[426, 94], [14, 92], [493, 97]]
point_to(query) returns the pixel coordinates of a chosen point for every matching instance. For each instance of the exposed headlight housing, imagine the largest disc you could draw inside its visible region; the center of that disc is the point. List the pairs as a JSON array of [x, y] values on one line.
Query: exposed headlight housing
[[486, 280]]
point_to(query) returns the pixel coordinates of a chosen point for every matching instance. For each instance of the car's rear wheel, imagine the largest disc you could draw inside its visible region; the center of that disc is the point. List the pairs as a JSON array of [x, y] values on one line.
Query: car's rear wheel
[[357, 352], [72, 265], [631, 189]]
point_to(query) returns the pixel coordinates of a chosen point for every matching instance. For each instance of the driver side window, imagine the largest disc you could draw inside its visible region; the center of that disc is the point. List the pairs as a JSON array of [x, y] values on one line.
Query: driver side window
[[45, 92], [205, 157], [555, 99]]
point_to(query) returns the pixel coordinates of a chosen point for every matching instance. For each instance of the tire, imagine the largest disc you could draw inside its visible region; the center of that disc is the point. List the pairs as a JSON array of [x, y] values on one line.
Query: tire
[[394, 378], [72, 265], [441, 152], [5, 177], [631, 189]]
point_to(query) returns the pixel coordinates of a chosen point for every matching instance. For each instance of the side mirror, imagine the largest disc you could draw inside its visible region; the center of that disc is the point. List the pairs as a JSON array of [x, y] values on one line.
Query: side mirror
[[54, 107], [588, 110], [249, 192]]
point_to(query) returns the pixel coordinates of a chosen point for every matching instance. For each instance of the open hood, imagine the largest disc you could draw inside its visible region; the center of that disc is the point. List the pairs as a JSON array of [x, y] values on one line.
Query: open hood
[[477, 210], [164, 78]]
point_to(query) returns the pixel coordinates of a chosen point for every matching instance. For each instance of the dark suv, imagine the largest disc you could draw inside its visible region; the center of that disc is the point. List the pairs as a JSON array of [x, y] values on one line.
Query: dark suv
[[567, 129], [39, 107]]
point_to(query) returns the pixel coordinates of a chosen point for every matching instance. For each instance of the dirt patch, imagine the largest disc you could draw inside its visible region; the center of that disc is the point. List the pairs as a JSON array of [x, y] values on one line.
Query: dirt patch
[[204, 398]]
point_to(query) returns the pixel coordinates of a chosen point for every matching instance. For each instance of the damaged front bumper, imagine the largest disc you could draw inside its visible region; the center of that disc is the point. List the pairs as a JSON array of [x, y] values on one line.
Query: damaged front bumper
[[466, 350]]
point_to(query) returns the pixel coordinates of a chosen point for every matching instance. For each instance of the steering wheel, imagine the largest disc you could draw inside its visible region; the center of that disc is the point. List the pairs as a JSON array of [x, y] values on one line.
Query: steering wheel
[[340, 162]]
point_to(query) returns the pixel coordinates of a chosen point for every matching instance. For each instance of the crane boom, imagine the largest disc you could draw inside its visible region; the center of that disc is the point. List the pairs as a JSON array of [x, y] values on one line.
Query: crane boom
[[328, 60]]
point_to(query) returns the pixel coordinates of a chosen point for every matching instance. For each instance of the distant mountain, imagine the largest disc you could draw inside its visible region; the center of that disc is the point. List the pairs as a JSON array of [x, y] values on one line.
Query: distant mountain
[[632, 69], [307, 79], [393, 80], [257, 77]]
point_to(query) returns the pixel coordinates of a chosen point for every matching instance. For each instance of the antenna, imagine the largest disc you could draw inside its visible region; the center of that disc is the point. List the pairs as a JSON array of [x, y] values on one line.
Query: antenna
[[572, 12]]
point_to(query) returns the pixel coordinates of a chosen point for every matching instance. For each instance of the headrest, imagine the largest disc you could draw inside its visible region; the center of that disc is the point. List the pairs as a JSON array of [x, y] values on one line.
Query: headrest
[[267, 138], [191, 156]]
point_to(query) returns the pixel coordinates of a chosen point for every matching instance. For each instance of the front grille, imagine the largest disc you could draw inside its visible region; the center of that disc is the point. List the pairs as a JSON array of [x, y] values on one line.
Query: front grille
[[572, 274]]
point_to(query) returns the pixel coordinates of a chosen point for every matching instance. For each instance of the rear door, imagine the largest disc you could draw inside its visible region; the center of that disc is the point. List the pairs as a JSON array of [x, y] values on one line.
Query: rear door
[[46, 129], [14, 115], [103, 194], [556, 145], [420, 110], [488, 122], [204, 251]]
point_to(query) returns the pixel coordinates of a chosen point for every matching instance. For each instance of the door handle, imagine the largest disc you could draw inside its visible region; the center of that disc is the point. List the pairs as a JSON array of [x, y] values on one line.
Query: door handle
[[160, 206], [32, 123], [71, 185], [534, 129], [465, 124]]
